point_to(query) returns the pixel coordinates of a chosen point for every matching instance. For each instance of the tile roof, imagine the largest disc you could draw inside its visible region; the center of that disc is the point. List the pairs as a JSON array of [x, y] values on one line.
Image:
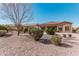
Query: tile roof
[[53, 23]]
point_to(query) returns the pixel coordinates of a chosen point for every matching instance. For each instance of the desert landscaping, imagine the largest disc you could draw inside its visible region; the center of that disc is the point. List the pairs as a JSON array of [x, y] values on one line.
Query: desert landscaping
[[24, 45], [20, 35]]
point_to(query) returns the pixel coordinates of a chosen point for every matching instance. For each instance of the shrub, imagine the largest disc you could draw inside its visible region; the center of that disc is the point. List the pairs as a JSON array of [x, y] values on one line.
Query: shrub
[[64, 35], [2, 27], [36, 33], [25, 30], [56, 40], [74, 30], [50, 31], [30, 30], [43, 28], [70, 35], [2, 32]]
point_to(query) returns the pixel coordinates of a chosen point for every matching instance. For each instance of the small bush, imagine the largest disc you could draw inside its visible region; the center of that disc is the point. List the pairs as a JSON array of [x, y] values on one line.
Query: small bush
[[2, 32], [43, 28], [64, 35], [56, 40], [74, 30], [25, 30], [2, 27], [36, 33], [30, 30], [70, 35], [50, 31]]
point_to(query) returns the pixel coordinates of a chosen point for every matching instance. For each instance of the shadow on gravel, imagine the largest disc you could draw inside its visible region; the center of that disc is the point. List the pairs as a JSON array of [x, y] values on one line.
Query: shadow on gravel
[[7, 35], [70, 38], [65, 45], [45, 41], [76, 43]]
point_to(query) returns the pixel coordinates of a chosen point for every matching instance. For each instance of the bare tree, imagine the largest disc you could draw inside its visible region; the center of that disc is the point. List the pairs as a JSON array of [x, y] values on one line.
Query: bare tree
[[18, 13]]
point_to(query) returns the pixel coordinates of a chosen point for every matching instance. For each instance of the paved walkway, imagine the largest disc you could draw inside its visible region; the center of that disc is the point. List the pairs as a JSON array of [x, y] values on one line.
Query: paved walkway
[[24, 45]]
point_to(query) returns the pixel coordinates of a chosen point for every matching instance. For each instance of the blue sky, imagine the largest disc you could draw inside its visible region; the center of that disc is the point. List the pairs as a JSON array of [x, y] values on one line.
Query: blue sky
[[47, 12], [56, 12]]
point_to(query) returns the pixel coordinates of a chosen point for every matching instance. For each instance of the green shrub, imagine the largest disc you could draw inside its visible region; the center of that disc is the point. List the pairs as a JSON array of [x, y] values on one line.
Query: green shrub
[[30, 29], [51, 31], [74, 30], [43, 28], [36, 33], [56, 40], [2, 27]]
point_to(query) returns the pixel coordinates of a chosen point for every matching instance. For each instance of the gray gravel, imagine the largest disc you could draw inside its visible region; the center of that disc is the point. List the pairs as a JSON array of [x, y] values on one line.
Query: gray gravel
[[24, 45]]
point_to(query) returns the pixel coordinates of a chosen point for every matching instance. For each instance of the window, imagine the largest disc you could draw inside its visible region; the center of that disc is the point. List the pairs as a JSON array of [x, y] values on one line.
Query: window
[[67, 28], [60, 29]]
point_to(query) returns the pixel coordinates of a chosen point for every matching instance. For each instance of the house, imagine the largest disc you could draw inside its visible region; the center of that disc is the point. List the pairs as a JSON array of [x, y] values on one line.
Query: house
[[65, 27], [62, 27]]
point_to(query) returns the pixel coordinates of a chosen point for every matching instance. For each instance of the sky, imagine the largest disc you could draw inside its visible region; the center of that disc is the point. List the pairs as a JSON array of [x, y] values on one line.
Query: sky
[[49, 12]]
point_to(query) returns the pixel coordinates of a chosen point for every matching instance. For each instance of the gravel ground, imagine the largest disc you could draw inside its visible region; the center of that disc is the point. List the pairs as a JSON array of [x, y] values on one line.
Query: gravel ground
[[24, 45]]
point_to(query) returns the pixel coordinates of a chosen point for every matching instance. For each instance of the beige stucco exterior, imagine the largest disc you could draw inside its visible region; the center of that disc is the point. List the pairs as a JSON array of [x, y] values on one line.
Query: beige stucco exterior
[[64, 27]]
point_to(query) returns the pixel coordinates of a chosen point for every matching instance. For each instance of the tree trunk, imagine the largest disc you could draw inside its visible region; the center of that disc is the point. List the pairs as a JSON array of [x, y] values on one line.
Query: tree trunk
[[18, 30], [18, 33]]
